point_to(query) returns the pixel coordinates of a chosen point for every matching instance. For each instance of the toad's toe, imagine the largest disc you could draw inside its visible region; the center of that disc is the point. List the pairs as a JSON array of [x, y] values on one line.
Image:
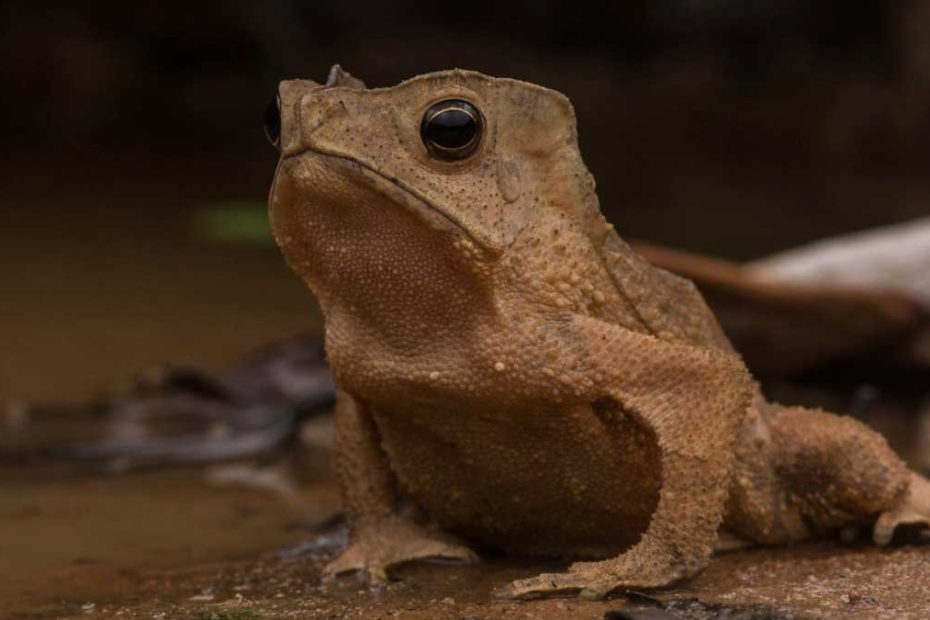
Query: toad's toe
[[912, 509]]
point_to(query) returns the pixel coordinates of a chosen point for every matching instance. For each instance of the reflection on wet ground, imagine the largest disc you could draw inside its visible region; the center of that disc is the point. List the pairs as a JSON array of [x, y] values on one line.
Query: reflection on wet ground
[[69, 538]]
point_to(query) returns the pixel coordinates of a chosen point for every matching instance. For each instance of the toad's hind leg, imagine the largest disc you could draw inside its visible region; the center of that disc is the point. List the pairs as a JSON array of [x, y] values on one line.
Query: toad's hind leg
[[836, 471]]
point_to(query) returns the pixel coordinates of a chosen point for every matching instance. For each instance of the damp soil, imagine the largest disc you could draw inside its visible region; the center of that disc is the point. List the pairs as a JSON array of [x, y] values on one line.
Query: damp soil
[[171, 544]]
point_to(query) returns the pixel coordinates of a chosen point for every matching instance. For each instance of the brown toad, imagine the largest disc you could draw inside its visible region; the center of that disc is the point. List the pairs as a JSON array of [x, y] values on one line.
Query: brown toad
[[506, 362]]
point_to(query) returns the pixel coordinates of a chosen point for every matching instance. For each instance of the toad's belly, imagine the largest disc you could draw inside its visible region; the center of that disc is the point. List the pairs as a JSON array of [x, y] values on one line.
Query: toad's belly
[[557, 482]]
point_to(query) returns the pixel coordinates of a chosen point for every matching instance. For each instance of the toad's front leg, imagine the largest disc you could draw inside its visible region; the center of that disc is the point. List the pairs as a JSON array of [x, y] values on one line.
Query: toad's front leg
[[378, 538], [693, 400]]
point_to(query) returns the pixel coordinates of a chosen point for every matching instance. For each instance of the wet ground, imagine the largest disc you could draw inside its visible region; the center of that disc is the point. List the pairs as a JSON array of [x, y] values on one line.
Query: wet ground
[[170, 544], [249, 540]]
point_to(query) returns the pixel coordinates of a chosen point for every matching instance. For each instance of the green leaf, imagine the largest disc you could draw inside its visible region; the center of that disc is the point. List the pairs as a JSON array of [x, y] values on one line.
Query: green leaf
[[236, 222]]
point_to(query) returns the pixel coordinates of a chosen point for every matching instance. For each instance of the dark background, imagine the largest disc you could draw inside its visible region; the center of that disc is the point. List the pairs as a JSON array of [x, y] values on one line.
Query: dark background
[[729, 127]]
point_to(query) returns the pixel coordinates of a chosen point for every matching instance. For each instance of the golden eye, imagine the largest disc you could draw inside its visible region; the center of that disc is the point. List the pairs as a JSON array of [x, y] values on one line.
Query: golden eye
[[451, 129]]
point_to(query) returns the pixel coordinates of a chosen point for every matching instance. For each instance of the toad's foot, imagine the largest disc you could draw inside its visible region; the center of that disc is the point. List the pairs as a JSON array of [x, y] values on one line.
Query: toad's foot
[[375, 548], [589, 580], [913, 508]]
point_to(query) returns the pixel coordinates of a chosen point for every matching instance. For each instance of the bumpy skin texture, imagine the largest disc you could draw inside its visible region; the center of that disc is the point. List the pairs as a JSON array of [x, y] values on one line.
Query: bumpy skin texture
[[511, 367]]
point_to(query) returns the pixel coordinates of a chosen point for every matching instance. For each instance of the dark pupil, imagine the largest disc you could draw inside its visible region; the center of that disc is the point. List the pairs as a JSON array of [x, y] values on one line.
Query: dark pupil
[[452, 128], [273, 121]]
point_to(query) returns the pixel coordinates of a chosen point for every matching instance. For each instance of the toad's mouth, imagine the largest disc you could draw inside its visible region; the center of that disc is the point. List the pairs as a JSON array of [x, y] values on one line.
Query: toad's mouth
[[397, 191]]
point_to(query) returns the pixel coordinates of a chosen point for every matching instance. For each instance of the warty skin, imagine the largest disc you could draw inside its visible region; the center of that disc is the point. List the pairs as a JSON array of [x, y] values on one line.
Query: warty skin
[[528, 382]]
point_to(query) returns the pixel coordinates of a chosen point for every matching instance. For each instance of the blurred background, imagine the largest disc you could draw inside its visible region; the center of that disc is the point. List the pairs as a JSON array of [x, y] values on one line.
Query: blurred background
[[134, 169]]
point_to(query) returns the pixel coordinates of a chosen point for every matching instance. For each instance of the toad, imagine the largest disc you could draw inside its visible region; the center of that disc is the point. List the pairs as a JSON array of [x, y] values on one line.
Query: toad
[[510, 366]]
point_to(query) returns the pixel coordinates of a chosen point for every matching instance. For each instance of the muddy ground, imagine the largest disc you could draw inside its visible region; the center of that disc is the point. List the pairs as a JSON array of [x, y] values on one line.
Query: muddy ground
[[172, 544]]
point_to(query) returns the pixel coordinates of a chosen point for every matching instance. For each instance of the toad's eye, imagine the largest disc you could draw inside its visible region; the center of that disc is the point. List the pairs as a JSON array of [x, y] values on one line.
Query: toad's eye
[[273, 121], [451, 129]]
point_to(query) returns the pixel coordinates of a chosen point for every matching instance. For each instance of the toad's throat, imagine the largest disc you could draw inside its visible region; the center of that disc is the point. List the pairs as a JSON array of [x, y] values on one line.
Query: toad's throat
[[404, 194]]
